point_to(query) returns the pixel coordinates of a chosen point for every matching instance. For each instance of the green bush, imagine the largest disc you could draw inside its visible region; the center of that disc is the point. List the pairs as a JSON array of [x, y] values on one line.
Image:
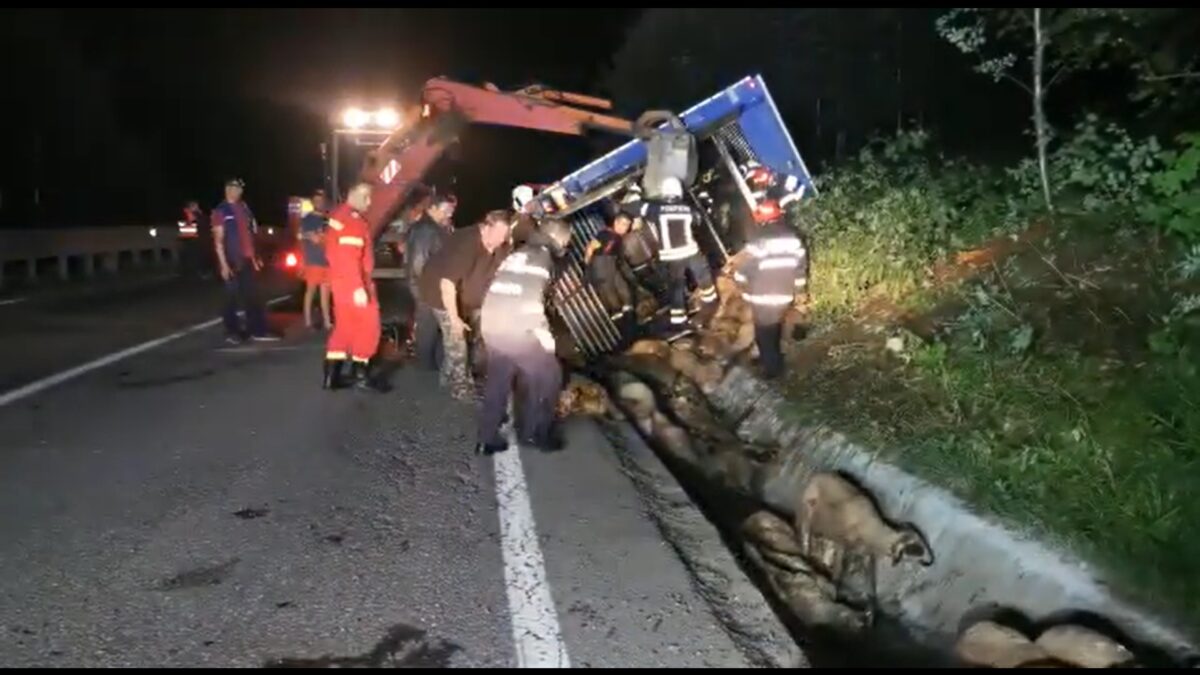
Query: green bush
[[885, 217], [1173, 202], [1098, 168]]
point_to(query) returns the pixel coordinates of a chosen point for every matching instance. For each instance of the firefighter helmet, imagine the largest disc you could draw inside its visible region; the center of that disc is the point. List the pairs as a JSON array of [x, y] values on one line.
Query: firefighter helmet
[[521, 195], [671, 188]]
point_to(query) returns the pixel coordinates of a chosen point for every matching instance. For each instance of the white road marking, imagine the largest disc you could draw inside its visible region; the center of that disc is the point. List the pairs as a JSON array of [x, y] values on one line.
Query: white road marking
[[47, 382], [12, 301], [538, 637]]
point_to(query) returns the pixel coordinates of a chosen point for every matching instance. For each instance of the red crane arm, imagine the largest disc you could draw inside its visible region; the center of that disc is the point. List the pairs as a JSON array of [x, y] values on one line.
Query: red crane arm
[[398, 165]]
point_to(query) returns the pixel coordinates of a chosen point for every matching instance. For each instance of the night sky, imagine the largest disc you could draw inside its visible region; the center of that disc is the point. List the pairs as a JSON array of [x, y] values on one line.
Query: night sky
[[121, 115]]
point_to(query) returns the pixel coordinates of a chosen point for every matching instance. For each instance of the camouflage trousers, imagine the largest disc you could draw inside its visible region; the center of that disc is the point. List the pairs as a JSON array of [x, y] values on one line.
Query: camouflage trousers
[[454, 374]]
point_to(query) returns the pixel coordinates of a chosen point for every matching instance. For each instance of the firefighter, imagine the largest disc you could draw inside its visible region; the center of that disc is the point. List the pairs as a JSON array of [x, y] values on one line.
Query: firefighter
[[602, 258], [772, 274], [524, 223], [640, 249], [356, 329], [517, 334], [672, 220], [195, 241]]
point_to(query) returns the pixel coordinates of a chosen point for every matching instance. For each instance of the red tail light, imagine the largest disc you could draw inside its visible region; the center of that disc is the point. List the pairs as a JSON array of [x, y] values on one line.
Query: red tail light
[[291, 260]]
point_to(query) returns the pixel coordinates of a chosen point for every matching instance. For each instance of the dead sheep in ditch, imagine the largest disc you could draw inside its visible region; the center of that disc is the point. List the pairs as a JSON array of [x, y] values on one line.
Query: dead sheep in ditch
[[834, 509], [1084, 647], [582, 396], [770, 544], [987, 644], [656, 348], [706, 374], [635, 396], [776, 539]]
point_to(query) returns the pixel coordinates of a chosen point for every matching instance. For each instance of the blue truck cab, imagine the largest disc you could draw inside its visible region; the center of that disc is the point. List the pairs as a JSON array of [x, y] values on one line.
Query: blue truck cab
[[736, 125]]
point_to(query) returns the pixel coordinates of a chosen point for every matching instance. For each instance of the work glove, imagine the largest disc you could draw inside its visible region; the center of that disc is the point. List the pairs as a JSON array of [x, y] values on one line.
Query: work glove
[[360, 297]]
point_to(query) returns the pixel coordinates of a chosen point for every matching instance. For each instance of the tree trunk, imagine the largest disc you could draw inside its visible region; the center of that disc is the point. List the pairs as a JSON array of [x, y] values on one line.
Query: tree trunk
[[1039, 112], [899, 73]]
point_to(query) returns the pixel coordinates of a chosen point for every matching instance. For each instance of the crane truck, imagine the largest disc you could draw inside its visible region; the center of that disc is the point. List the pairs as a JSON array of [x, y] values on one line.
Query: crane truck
[[736, 125]]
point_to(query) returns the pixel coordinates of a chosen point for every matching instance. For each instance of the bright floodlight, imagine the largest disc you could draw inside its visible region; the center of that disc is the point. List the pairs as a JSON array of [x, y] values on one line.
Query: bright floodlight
[[355, 118], [387, 118]]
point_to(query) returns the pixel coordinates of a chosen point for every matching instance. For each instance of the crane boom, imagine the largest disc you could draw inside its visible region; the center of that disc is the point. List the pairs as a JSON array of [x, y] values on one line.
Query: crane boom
[[399, 164]]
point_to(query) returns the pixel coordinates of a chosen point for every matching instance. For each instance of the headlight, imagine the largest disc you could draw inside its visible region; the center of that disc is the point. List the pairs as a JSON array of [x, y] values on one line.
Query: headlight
[[355, 118], [387, 118]]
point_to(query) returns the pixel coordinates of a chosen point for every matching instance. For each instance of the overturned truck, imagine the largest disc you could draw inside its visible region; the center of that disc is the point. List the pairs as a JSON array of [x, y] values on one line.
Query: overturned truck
[[739, 124]]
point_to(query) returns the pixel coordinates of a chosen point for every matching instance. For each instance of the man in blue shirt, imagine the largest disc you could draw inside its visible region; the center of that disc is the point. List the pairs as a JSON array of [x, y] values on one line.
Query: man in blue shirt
[[233, 238], [316, 266]]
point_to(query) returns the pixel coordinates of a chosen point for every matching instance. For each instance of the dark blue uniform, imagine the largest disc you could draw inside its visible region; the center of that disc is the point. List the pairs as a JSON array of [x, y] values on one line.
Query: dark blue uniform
[[242, 288], [773, 271], [604, 273], [672, 221], [517, 334]]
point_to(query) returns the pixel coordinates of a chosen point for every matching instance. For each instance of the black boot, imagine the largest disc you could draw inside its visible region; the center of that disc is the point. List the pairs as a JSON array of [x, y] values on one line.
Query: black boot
[[333, 374], [360, 376], [488, 449]]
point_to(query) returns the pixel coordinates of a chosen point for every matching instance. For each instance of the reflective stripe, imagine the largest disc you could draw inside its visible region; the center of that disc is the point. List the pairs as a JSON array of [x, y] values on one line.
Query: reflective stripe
[[361, 360], [352, 241], [801, 283], [336, 224], [533, 270], [679, 319], [667, 255], [778, 263], [335, 356], [708, 294], [768, 300], [505, 288], [780, 245], [791, 197], [739, 277]]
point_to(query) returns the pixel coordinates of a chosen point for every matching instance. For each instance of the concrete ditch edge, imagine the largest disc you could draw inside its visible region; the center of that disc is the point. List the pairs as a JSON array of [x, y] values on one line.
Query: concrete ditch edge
[[734, 599], [979, 563]]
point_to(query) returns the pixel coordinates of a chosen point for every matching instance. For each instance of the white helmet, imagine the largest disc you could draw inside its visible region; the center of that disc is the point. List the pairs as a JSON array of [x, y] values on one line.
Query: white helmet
[[671, 188], [521, 195]]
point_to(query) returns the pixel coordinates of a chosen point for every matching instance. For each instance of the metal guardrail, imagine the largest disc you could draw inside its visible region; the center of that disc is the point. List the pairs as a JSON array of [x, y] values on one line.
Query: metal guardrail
[[79, 251]]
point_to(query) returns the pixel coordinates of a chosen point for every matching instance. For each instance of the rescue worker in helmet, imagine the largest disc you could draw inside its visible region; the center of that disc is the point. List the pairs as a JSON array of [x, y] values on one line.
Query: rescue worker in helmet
[[772, 273], [519, 342], [760, 179], [356, 327], [672, 220], [640, 249], [602, 258], [524, 224]]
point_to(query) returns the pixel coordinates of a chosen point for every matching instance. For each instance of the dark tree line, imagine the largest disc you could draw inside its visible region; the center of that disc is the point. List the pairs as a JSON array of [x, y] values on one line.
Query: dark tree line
[[841, 76]]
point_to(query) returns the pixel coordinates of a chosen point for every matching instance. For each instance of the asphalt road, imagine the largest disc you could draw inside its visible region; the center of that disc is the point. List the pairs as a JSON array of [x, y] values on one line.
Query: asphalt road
[[197, 505]]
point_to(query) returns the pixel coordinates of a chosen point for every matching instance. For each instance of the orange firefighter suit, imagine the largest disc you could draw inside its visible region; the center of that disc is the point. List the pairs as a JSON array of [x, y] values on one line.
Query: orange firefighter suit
[[351, 260]]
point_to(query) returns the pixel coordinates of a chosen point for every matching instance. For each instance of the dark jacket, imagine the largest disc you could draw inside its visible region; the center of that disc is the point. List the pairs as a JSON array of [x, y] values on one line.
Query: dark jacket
[[775, 267], [422, 240]]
